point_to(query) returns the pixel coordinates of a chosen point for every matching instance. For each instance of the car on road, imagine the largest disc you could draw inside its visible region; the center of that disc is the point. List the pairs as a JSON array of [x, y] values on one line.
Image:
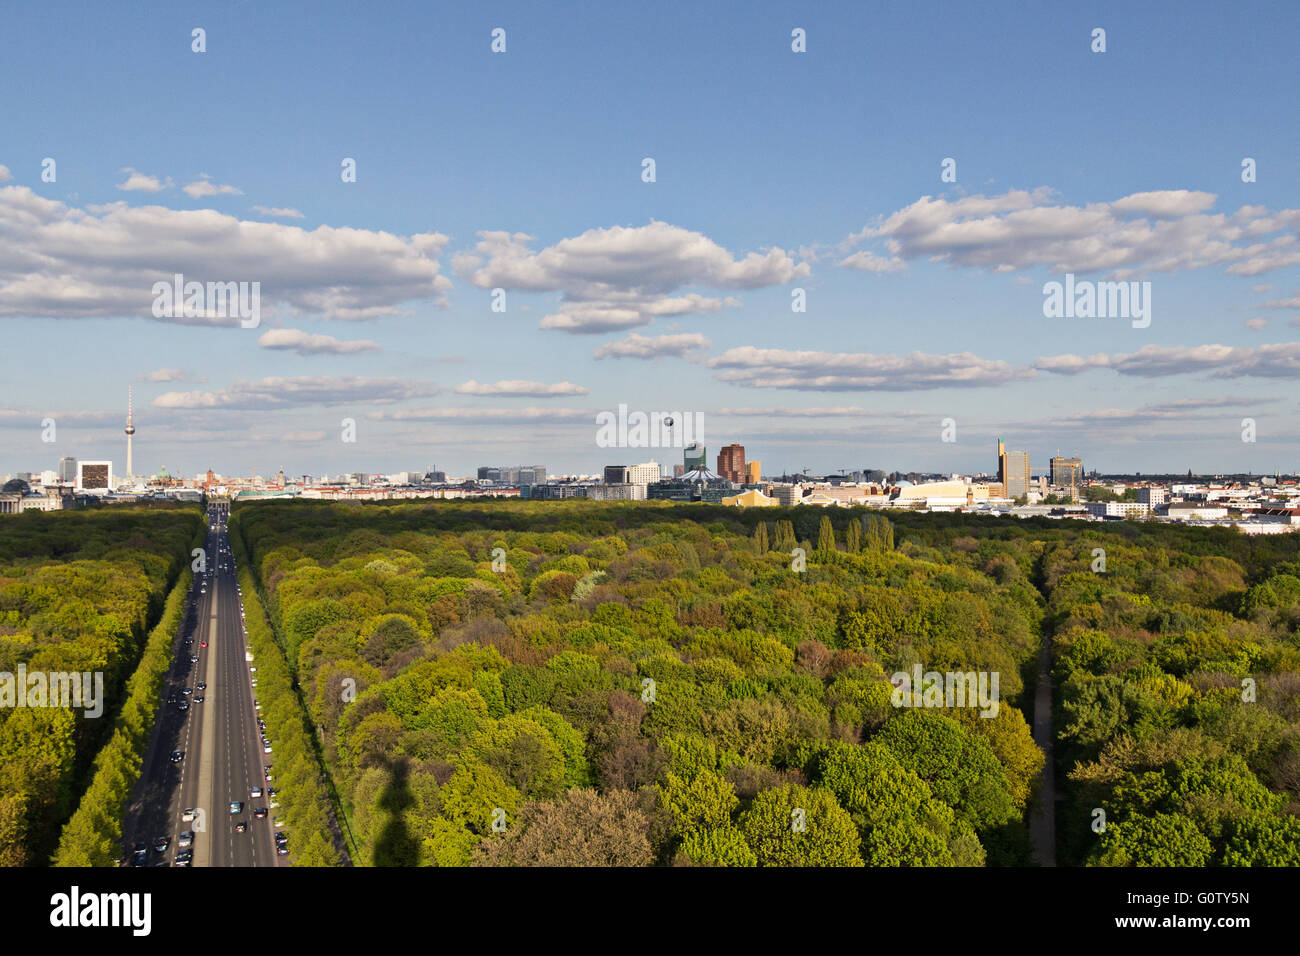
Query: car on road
[[282, 849], [187, 815], [268, 773], [139, 855], [255, 792], [171, 698], [186, 839], [266, 748], [187, 691], [184, 858], [194, 658], [161, 844], [183, 705], [178, 756], [202, 685], [241, 827], [189, 640], [236, 806], [203, 643], [259, 813], [198, 699]]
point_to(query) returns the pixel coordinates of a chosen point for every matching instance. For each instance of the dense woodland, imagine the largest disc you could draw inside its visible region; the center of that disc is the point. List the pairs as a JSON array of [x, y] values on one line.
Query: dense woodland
[[654, 684], [79, 591]]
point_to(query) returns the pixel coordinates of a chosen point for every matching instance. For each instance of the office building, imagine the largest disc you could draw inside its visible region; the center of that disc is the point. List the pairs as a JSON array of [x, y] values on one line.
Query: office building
[[731, 463], [1065, 472], [1013, 471], [615, 474], [753, 472], [644, 474], [1153, 496], [693, 457], [67, 471]]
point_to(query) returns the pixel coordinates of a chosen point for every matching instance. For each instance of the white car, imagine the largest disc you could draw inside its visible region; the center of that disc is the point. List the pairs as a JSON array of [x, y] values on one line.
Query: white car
[[255, 792], [266, 748], [187, 815]]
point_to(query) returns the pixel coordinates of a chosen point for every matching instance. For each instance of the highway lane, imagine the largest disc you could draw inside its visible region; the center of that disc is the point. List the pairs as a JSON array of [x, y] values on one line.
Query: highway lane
[[220, 736]]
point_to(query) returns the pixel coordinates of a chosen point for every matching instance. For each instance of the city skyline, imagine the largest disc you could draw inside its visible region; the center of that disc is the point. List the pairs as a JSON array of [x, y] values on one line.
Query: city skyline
[[924, 299]]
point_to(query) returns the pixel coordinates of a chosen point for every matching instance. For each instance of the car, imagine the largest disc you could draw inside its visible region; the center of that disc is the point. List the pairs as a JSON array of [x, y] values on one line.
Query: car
[[187, 815], [184, 858], [198, 699], [254, 681], [271, 791], [139, 855], [186, 839], [171, 698], [194, 658], [282, 849], [178, 756], [183, 705], [255, 792], [241, 827], [266, 748], [252, 669], [161, 844], [259, 813], [189, 640], [187, 691], [202, 685], [236, 806], [203, 643], [268, 775]]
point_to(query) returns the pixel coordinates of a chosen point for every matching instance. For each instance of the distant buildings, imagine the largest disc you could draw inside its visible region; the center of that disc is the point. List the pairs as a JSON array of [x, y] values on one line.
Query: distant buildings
[[644, 474], [1013, 471], [731, 463], [753, 472], [513, 475], [67, 471], [94, 476], [693, 457], [1065, 472]]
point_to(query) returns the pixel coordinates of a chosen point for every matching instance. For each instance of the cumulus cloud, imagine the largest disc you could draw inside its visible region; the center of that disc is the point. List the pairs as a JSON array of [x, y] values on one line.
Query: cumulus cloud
[[622, 277], [306, 344], [840, 371], [5, 175], [273, 393], [204, 187], [843, 411], [520, 388], [141, 182], [61, 261], [1220, 361], [164, 375], [1163, 231], [1256, 324], [281, 212], [635, 345], [530, 415]]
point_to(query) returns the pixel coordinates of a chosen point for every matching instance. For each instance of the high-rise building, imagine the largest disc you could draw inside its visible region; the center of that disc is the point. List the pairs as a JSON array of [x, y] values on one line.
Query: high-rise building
[[731, 463], [679, 470], [488, 473], [644, 474], [693, 457], [1066, 471], [616, 474], [1013, 471], [753, 472], [67, 471]]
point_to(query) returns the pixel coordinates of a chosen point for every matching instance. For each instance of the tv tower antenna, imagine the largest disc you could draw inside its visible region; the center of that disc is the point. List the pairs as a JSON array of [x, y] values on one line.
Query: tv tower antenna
[[130, 431]]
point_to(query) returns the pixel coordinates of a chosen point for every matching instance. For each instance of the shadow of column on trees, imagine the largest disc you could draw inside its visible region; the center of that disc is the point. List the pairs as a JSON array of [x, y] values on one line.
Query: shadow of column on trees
[[396, 846]]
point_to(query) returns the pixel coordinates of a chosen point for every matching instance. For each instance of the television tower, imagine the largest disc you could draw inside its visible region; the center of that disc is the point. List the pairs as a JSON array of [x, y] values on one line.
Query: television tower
[[130, 430]]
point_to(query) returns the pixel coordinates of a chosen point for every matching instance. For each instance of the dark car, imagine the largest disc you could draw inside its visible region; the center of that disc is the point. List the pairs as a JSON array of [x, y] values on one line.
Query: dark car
[[161, 844], [201, 685], [183, 705], [198, 698], [178, 756], [194, 659], [171, 698], [241, 827], [282, 850], [140, 855], [259, 812], [184, 858]]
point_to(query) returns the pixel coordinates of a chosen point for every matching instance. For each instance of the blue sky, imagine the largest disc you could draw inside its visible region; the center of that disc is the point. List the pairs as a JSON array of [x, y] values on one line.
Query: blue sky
[[775, 170]]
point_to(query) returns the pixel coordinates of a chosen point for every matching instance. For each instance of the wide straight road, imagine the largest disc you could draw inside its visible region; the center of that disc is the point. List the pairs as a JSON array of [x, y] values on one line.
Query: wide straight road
[[219, 735]]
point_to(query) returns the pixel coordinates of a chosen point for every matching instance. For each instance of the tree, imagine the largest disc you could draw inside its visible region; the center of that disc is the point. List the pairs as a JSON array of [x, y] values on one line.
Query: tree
[[826, 536], [581, 828], [760, 537], [853, 538], [800, 826], [704, 802]]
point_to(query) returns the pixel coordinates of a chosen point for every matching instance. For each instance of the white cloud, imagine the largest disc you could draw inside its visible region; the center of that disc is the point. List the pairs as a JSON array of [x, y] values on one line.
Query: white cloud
[[868, 261], [60, 261], [282, 212], [622, 277], [520, 388], [1221, 361], [306, 344], [1162, 231], [634, 345], [1256, 324], [531, 415], [839, 371], [272, 393], [5, 175], [203, 187], [164, 375], [141, 182]]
